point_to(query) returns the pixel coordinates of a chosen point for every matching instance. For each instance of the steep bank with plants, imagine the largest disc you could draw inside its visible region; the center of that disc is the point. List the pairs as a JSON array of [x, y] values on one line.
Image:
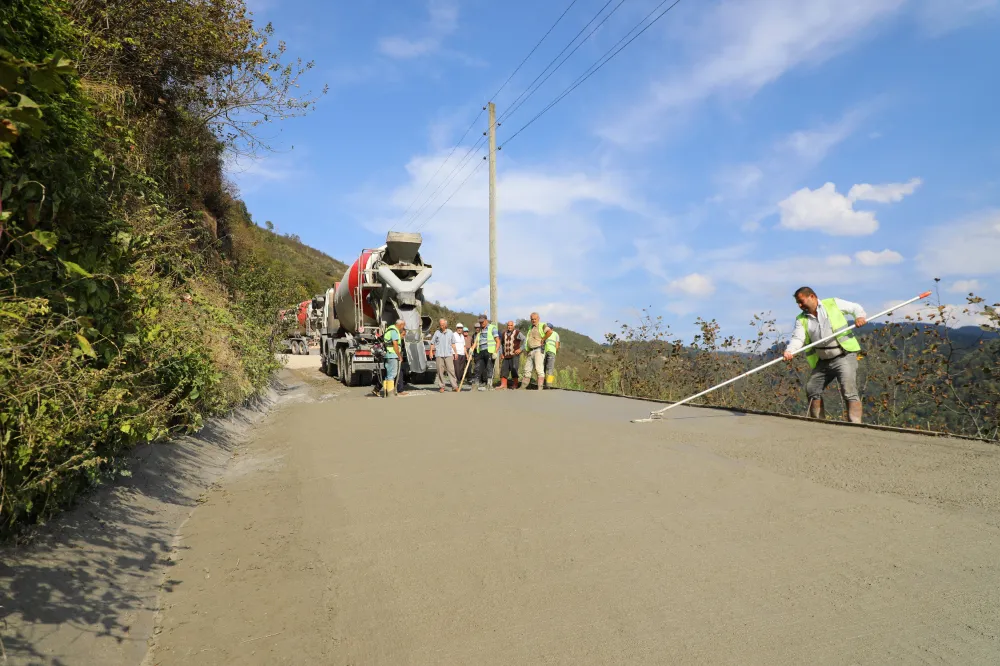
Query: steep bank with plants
[[136, 295]]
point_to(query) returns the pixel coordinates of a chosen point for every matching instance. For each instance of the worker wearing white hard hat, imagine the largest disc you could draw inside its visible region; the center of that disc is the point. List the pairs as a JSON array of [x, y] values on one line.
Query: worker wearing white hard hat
[[461, 343]]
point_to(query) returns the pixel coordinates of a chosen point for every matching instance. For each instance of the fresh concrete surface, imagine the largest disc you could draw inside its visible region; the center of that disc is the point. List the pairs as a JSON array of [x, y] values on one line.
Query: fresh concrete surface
[[544, 528]]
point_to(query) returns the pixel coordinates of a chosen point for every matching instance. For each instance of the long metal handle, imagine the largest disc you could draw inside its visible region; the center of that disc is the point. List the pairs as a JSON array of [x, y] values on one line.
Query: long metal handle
[[656, 414]]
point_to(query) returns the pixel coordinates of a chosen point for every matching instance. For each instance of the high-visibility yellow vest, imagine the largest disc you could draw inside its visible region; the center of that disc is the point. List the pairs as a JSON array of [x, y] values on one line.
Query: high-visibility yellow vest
[[550, 344], [838, 321], [388, 343], [541, 333], [491, 339]]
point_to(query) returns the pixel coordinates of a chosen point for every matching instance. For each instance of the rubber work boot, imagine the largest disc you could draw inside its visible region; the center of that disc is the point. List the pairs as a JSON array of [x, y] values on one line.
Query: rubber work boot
[[550, 380], [816, 410], [389, 386], [854, 411], [503, 383]]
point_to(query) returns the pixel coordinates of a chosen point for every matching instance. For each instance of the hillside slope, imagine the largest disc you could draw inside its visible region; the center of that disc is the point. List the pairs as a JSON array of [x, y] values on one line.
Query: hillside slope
[[136, 296], [312, 271]]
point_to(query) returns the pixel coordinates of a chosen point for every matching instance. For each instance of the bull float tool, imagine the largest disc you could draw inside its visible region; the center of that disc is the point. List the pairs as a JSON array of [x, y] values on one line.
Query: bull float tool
[[658, 414]]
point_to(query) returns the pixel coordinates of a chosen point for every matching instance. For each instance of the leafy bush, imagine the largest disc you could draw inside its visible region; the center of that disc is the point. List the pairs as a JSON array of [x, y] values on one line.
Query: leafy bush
[[135, 298], [917, 374]]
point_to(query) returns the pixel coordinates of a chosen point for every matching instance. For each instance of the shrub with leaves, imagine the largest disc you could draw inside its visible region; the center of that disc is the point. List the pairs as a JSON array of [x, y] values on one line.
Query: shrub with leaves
[[133, 298]]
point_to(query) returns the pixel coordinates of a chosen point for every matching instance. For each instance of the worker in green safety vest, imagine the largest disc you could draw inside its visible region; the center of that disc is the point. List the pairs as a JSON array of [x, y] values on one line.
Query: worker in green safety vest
[[538, 335], [485, 346], [551, 349], [393, 339], [836, 359]]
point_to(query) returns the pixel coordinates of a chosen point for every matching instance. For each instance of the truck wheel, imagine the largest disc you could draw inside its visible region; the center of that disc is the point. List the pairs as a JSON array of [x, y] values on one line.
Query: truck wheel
[[344, 376]]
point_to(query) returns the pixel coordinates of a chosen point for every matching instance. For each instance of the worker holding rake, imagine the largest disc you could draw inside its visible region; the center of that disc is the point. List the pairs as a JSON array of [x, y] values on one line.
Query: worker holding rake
[[837, 359]]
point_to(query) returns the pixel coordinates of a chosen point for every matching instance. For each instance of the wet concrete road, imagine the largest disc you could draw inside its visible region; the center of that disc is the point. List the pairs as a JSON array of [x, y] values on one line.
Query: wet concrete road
[[527, 528]]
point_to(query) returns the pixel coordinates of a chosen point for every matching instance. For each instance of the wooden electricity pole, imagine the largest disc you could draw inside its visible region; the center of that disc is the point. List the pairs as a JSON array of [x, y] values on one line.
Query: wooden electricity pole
[[493, 213]]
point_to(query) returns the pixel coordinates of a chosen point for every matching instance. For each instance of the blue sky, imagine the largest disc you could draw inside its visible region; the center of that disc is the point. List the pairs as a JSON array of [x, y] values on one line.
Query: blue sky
[[735, 151]]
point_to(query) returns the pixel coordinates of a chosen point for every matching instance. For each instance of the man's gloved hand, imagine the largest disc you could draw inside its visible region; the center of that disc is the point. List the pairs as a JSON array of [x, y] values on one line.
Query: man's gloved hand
[[494, 356]]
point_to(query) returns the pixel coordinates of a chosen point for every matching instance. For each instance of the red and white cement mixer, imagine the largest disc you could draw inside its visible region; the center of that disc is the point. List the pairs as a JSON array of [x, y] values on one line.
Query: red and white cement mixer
[[382, 286]]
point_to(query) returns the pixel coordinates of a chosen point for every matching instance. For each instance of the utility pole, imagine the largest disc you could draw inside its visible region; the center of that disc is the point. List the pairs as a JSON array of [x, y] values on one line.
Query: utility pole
[[493, 213]]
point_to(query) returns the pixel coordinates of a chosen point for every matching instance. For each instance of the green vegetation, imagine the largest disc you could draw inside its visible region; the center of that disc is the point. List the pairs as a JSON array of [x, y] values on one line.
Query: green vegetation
[[312, 269], [918, 374], [136, 295]]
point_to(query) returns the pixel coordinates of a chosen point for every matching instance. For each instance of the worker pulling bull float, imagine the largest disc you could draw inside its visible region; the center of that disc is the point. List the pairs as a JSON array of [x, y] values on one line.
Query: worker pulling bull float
[[834, 360], [825, 374]]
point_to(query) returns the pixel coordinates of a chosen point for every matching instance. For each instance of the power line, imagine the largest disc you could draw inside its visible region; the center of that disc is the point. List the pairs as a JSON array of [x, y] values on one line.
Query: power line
[[530, 53], [601, 62], [444, 183], [518, 104], [553, 61], [469, 128], [445, 203], [441, 166]]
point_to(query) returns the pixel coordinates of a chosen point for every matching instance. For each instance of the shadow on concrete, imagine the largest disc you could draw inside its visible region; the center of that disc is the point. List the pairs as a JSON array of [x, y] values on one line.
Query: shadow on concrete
[[84, 588]]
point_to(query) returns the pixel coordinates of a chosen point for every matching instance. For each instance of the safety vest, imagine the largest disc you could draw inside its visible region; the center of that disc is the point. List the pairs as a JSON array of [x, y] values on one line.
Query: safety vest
[[491, 339], [550, 344], [837, 322], [541, 333], [388, 342]]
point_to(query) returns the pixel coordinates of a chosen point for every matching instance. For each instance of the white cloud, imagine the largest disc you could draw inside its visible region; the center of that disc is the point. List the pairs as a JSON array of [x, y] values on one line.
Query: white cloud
[[442, 21], [739, 180], [741, 46], [827, 211], [775, 277], [748, 192], [830, 212], [954, 316], [883, 258], [250, 173], [551, 234], [964, 247], [888, 193], [965, 286], [694, 284], [812, 145]]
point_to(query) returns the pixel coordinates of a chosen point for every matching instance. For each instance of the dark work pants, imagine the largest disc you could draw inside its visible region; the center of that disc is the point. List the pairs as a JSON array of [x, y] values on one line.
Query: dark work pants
[[509, 367], [484, 363]]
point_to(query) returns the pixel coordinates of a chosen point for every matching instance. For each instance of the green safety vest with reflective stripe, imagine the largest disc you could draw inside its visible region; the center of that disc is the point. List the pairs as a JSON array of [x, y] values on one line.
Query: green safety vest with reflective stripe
[[388, 343], [837, 322], [491, 339], [550, 344]]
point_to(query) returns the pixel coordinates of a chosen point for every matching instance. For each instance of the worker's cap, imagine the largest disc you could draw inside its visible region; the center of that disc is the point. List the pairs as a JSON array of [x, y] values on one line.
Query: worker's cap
[[459, 325]]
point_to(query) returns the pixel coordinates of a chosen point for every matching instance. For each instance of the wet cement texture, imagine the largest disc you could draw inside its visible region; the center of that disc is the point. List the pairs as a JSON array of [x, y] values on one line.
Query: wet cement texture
[[544, 528]]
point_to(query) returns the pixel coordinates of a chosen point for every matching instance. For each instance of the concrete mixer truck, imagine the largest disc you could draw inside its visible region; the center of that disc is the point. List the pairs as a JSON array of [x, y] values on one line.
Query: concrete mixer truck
[[383, 285]]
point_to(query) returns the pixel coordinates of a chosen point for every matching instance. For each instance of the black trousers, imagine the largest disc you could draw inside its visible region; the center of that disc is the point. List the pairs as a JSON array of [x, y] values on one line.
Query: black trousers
[[509, 367], [484, 364]]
